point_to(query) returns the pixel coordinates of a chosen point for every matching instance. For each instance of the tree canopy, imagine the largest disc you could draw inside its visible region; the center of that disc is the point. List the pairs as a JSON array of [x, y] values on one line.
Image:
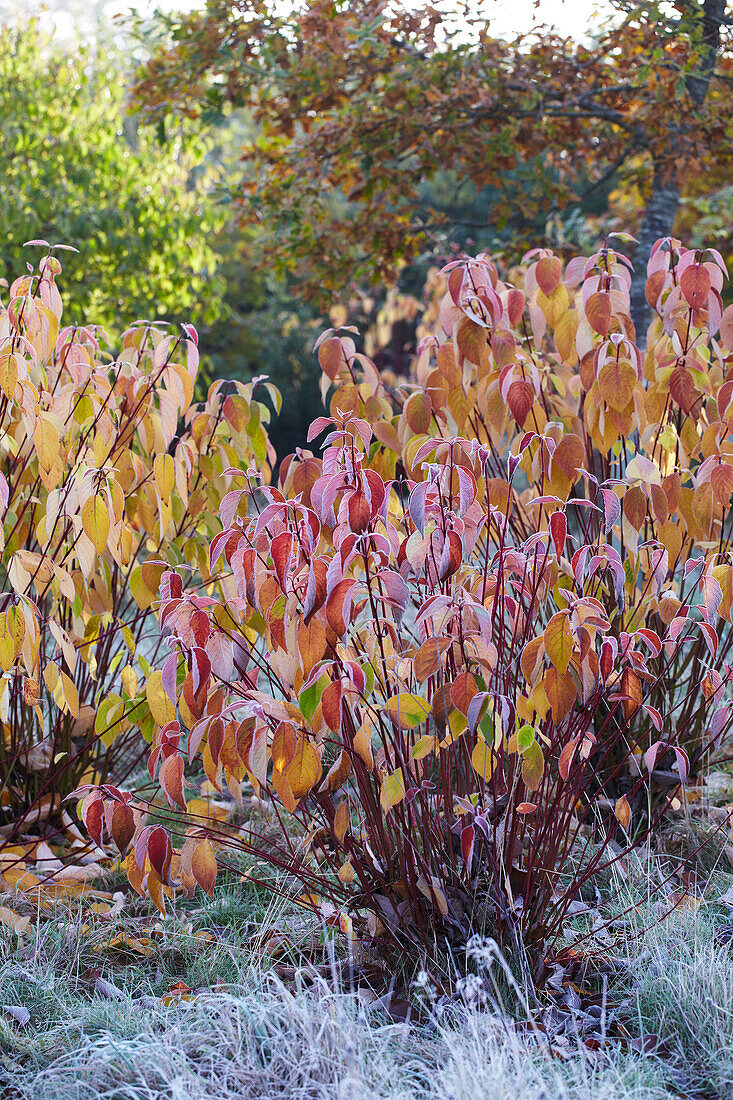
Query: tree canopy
[[358, 102]]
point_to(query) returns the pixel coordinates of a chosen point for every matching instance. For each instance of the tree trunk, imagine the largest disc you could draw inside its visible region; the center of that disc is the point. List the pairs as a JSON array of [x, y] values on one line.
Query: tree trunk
[[658, 221]]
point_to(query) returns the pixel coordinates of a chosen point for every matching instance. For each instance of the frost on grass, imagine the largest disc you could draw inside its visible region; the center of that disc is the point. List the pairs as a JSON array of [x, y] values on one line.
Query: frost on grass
[[258, 1038], [265, 1042]]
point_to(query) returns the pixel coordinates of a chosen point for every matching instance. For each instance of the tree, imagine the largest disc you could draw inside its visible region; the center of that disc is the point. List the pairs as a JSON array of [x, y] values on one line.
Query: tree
[[76, 170], [359, 102]]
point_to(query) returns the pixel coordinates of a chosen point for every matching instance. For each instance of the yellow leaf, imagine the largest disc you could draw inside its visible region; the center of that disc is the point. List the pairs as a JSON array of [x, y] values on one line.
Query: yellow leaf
[[408, 710], [7, 648], [19, 879], [142, 595], [8, 374], [95, 521], [424, 746], [160, 705], [14, 920], [533, 765], [165, 475], [200, 807], [16, 626], [71, 695], [129, 680], [393, 790], [558, 641], [482, 759], [47, 442], [304, 771], [51, 675], [101, 450]]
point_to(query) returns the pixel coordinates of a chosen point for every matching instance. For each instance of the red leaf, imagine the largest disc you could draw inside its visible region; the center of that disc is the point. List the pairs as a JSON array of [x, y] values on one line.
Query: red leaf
[[695, 285], [92, 818], [159, 852], [558, 531], [520, 400], [359, 511], [566, 757], [281, 549], [515, 306], [339, 618], [331, 706], [468, 837], [215, 739]]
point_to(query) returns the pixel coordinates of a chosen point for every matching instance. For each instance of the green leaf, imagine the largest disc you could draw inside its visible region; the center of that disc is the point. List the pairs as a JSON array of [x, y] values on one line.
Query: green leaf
[[526, 738], [310, 697]]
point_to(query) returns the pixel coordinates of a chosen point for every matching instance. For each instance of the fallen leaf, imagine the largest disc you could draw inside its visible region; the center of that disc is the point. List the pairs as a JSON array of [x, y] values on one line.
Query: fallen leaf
[[17, 1013], [14, 920]]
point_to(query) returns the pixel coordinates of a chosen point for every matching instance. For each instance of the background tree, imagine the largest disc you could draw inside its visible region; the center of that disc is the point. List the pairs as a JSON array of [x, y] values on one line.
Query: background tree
[[76, 169], [358, 103]]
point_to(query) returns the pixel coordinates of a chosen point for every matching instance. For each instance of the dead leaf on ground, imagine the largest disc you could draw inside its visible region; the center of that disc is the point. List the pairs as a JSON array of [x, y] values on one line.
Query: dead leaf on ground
[[18, 1013]]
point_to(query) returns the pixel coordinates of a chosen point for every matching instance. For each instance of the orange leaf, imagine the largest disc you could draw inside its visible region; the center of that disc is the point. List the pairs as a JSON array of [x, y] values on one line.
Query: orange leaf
[[622, 810], [560, 692], [341, 820], [203, 866], [598, 312], [548, 273], [616, 383], [427, 658]]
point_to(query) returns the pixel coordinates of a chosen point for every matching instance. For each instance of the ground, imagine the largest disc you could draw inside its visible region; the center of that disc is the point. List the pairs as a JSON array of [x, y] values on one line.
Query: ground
[[240, 996]]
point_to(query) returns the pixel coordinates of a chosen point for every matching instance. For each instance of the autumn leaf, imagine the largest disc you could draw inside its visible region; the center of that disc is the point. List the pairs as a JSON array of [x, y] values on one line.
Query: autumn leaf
[[304, 770], [95, 520], [47, 443], [160, 705], [408, 710], [393, 790], [558, 641], [482, 759], [203, 866]]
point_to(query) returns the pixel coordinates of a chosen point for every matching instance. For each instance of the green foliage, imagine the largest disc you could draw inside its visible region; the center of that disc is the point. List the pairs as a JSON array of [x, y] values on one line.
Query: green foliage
[[76, 168]]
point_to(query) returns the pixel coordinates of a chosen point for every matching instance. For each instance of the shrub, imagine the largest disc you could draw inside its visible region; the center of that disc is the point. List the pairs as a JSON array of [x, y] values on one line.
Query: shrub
[[107, 473], [493, 617]]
